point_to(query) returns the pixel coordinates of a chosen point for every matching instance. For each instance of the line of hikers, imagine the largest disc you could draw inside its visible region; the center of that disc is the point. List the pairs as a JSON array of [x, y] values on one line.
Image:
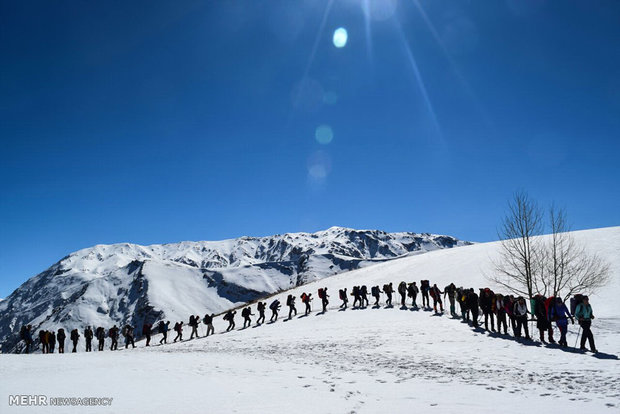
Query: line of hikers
[[502, 308]]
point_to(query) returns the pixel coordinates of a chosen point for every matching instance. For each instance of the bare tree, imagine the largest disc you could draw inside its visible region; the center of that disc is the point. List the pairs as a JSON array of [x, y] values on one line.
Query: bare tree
[[568, 268], [519, 265]]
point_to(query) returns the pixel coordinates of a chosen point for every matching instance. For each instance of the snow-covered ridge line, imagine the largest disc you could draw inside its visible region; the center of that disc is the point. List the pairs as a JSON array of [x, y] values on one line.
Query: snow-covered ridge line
[[129, 283]]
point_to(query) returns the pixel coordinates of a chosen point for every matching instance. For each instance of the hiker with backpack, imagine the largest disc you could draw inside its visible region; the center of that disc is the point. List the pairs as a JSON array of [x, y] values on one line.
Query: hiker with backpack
[[402, 291], [208, 321], [88, 336], [412, 292], [128, 334], [357, 298], [60, 337], [290, 302], [343, 297], [43, 341], [388, 289], [178, 328], [100, 335], [520, 315], [500, 312], [375, 292], [75, 337], [461, 298], [450, 291], [246, 313], [260, 307], [52, 341], [25, 334], [543, 320], [472, 306], [323, 295], [306, 299], [425, 287], [275, 307], [364, 296], [113, 334], [163, 329], [486, 304], [509, 306], [146, 331], [584, 315], [230, 317], [560, 314], [194, 320], [436, 295]]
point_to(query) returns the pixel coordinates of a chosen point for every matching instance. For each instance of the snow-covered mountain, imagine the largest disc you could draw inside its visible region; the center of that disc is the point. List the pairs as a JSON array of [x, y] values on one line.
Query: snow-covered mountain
[[128, 283]]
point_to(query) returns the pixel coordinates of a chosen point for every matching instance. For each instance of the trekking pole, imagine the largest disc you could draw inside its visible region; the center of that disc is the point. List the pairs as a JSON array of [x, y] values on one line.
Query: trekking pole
[[576, 339]]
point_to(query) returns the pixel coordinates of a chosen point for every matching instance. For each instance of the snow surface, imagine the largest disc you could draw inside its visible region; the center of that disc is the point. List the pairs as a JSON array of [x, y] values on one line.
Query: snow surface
[[364, 361]]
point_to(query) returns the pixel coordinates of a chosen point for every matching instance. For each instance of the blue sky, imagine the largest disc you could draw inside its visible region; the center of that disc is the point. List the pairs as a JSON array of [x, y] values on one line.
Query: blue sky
[[156, 121]]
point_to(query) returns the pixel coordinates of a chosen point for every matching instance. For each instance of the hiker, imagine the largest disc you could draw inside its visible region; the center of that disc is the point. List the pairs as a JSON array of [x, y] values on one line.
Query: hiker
[[163, 329], [246, 313], [75, 337], [402, 291], [43, 339], [436, 295], [60, 337], [500, 308], [425, 287], [412, 292], [472, 305], [230, 317], [194, 320], [261, 312], [344, 299], [128, 334], [543, 322], [584, 315], [100, 335], [290, 302], [357, 299], [509, 305], [25, 333], [364, 296], [178, 328], [486, 304], [113, 334], [324, 301], [461, 298], [208, 321], [275, 307], [450, 291], [388, 289], [88, 336], [375, 292], [560, 314], [146, 331], [520, 314], [52, 341], [306, 299]]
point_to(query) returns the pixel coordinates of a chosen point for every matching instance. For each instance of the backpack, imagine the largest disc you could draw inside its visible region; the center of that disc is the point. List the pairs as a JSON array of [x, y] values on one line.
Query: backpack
[[425, 285], [191, 320], [304, 297], [402, 287], [433, 293], [274, 305], [22, 333], [289, 300], [342, 294], [321, 293], [574, 302]]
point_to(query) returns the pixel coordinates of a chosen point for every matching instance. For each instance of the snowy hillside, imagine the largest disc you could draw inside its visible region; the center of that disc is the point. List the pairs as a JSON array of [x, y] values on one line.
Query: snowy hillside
[[128, 283], [352, 361]]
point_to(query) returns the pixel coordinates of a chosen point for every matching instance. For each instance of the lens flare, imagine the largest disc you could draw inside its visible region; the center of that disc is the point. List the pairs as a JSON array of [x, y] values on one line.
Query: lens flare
[[324, 134], [340, 37]]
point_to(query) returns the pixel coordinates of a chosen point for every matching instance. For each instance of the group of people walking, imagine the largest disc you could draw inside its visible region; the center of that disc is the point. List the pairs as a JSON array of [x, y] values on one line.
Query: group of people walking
[[506, 310]]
